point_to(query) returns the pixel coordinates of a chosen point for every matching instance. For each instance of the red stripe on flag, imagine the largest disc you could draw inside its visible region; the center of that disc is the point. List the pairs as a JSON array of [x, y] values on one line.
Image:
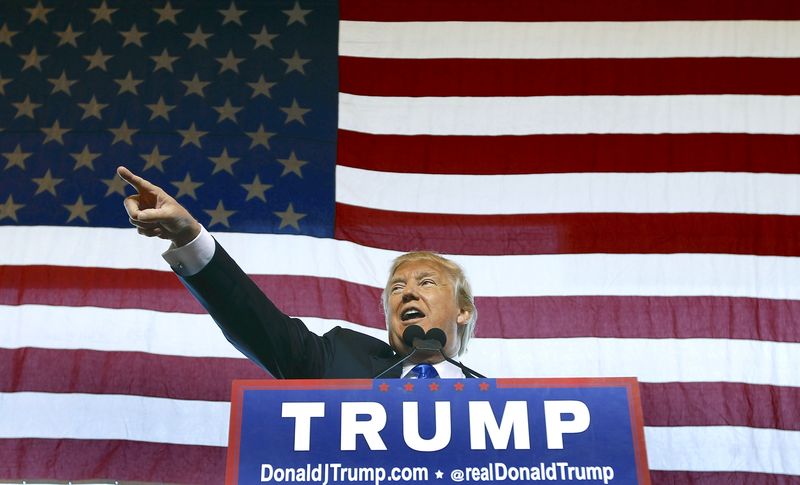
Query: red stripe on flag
[[720, 478], [545, 317], [720, 404], [570, 233], [639, 317], [161, 463], [490, 155], [578, 10], [77, 371], [551, 77], [43, 459], [162, 291], [100, 287]]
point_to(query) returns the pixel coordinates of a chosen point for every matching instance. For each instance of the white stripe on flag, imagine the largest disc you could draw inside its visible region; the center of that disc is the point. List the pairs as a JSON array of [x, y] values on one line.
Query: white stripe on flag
[[651, 360], [114, 417], [516, 275], [747, 193], [569, 40], [490, 116], [128, 330], [723, 448], [110, 330]]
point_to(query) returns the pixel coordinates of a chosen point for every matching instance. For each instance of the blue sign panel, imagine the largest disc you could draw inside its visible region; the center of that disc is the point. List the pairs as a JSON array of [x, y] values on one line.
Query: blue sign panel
[[439, 431]]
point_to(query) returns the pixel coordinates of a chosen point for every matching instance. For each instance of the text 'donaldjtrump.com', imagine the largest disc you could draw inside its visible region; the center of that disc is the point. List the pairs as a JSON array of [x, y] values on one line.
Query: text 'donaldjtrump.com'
[[330, 473]]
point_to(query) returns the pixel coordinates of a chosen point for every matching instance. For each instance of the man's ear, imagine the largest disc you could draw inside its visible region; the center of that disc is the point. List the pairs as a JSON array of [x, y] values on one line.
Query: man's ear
[[463, 317]]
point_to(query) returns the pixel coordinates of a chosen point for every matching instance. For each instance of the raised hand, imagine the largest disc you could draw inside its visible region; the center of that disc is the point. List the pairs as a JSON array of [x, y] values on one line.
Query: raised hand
[[155, 213]]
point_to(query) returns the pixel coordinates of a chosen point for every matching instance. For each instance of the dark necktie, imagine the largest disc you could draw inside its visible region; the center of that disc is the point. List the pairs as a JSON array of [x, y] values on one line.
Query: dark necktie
[[425, 371]]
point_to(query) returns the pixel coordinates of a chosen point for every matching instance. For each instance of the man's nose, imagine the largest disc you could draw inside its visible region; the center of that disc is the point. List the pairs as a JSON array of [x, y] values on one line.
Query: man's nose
[[409, 294]]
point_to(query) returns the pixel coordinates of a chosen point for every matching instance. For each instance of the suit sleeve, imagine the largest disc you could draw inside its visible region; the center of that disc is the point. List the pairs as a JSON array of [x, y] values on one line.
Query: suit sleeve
[[282, 345]]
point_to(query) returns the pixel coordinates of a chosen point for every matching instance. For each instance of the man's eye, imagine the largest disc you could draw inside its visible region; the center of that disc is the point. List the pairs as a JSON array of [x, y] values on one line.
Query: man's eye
[[396, 288], [427, 282]]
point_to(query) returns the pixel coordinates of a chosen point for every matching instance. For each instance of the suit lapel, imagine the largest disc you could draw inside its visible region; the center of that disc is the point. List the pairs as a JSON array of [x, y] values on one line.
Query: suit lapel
[[380, 364]]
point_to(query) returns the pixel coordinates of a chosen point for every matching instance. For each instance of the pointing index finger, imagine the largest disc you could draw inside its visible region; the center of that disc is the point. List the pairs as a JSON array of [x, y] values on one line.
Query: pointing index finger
[[138, 183]]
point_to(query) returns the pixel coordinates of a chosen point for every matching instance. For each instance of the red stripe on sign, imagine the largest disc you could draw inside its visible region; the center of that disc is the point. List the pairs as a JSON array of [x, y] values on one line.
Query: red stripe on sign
[[720, 404], [578, 10], [569, 233], [555, 77], [490, 155], [131, 373], [719, 478], [43, 459], [545, 317]]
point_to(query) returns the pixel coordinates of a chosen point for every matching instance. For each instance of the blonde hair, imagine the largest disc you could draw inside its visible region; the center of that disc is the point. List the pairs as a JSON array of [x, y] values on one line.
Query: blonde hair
[[462, 291]]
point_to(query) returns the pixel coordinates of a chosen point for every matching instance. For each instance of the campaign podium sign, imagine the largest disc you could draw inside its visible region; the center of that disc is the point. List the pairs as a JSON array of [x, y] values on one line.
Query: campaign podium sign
[[440, 431]]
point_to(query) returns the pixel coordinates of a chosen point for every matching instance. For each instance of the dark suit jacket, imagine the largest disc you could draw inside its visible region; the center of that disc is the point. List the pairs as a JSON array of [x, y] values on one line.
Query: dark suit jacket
[[283, 346]]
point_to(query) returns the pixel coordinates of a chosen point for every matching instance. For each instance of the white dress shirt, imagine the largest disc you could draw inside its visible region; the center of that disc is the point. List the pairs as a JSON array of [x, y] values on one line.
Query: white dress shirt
[[445, 369]]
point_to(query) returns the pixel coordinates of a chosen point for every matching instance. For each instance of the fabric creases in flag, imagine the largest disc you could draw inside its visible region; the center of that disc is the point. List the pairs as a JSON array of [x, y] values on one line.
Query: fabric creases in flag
[[618, 178]]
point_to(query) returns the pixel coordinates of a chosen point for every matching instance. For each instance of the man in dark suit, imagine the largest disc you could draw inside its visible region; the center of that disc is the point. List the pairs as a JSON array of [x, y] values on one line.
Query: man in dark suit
[[424, 289]]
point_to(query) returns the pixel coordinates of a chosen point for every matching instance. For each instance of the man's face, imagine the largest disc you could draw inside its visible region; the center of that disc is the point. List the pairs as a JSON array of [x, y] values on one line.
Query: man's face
[[421, 293]]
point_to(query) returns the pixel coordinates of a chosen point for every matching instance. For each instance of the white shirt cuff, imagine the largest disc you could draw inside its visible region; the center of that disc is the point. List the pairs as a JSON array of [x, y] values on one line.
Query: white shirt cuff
[[188, 260]]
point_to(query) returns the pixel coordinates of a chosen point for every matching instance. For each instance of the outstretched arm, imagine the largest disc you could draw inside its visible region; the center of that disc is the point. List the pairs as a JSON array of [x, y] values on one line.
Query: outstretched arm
[[155, 213], [280, 344]]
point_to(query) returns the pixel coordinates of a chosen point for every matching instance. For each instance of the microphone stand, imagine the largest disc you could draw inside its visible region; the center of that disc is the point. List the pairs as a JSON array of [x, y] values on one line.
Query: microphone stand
[[466, 370], [432, 341], [440, 338], [419, 344], [399, 362], [413, 336]]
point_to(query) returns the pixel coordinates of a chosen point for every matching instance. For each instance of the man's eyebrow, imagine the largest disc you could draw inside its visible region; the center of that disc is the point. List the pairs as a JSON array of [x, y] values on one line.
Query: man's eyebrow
[[425, 274], [417, 276]]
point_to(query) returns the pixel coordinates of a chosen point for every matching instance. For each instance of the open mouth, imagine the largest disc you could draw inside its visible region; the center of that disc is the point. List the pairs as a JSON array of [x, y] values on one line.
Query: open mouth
[[411, 314]]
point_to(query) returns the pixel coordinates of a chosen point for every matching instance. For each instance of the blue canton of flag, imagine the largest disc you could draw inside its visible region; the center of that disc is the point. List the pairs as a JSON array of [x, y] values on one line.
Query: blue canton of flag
[[231, 108]]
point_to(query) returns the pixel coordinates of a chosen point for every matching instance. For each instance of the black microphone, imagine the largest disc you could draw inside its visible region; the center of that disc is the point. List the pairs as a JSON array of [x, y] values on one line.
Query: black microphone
[[430, 341], [410, 334], [437, 335], [417, 339]]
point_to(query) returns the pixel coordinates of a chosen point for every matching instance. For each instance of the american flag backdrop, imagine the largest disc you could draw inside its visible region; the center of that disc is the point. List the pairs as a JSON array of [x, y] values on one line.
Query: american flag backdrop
[[619, 178]]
